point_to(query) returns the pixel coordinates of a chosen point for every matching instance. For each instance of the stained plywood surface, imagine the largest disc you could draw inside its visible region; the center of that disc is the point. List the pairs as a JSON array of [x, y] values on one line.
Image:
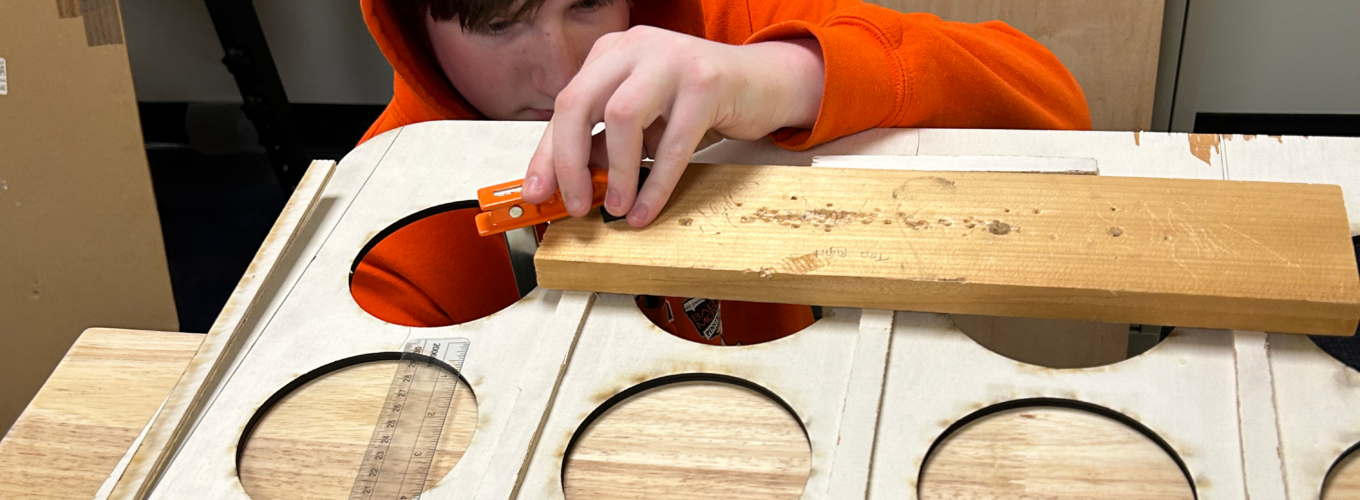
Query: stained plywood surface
[[1051, 453], [323, 428], [689, 441], [631, 441], [1186, 252], [95, 404], [1111, 48]]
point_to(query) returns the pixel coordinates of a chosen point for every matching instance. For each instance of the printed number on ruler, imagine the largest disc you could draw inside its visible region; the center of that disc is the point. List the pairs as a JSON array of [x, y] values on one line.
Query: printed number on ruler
[[401, 451]]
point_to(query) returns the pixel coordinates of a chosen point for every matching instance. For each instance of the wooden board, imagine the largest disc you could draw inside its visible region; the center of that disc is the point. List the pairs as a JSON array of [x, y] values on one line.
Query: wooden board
[[1212, 254], [1111, 48], [94, 405]]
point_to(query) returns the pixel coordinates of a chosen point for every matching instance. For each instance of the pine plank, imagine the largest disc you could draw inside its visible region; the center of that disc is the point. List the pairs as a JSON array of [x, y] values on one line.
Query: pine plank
[[1186, 252]]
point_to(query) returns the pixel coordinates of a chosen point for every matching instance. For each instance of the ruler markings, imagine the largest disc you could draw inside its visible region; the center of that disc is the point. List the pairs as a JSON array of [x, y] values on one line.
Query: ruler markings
[[403, 445]]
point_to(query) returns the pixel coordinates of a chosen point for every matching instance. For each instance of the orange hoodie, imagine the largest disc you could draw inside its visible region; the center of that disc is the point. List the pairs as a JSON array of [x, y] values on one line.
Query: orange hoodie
[[883, 69]]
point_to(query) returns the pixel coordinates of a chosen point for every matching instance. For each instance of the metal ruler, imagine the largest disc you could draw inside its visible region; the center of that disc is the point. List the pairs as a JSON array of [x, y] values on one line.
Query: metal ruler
[[401, 451]]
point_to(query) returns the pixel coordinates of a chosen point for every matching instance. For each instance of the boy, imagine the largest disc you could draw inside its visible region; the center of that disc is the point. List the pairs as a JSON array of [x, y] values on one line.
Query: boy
[[666, 78]]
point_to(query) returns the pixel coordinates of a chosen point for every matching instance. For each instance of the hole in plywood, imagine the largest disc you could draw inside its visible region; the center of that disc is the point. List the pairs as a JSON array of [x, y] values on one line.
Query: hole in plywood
[[726, 322], [1057, 343], [308, 440], [1343, 349], [1346, 350], [1052, 449], [431, 268], [689, 437], [1343, 480]]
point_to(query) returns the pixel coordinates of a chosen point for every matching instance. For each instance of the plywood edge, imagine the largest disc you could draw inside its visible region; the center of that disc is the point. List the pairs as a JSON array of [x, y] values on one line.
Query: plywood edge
[[171, 425]]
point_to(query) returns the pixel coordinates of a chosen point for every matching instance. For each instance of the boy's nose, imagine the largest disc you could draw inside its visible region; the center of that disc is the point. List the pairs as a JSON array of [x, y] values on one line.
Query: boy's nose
[[559, 59]]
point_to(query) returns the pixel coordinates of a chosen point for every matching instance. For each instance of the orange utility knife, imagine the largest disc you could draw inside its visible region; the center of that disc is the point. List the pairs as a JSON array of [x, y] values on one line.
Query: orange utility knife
[[503, 209]]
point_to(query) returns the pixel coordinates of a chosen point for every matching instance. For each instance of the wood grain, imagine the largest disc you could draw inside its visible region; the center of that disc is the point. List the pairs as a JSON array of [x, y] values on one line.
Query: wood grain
[[1111, 48], [693, 440], [1184, 252], [94, 405], [1051, 453], [1344, 482], [109, 384], [323, 428]]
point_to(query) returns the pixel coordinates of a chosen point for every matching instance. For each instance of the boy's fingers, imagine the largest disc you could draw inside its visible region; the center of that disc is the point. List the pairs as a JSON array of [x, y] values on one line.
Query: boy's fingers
[[683, 132], [578, 108], [603, 45], [570, 150], [633, 106], [540, 180]]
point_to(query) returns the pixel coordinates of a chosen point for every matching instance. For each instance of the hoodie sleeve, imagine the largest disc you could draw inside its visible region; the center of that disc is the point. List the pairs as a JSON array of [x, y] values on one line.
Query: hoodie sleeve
[[889, 69]]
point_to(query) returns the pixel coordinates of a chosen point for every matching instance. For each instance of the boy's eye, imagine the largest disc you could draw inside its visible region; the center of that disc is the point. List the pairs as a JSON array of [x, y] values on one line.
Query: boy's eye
[[591, 4], [498, 26]]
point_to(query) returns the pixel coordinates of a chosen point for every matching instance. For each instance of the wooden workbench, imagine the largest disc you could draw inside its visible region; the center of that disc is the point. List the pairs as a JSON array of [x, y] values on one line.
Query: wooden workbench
[[674, 443]]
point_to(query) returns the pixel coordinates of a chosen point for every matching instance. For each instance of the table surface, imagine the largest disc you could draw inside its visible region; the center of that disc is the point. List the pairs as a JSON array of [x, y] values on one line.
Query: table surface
[[672, 442]]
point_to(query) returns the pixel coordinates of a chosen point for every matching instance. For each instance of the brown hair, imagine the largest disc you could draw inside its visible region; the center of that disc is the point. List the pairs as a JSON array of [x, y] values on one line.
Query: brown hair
[[476, 14]]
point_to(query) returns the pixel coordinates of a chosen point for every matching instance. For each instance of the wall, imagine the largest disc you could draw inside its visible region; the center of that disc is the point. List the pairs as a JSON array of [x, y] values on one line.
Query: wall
[[1269, 56], [321, 47]]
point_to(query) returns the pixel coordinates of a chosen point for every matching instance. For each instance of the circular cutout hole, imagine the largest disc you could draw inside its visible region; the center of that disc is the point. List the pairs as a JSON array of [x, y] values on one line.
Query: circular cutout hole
[[1343, 349], [1031, 449], [689, 437], [1343, 481], [309, 442], [1057, 343], [432, 269], [726, 322]]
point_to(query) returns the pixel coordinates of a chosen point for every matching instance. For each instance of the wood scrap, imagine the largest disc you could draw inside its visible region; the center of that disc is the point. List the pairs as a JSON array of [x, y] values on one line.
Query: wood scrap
[[1185, 252]]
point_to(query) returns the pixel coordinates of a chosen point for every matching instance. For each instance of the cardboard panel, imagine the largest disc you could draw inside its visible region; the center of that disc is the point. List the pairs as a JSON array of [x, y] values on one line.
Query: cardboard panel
[[80, 241]]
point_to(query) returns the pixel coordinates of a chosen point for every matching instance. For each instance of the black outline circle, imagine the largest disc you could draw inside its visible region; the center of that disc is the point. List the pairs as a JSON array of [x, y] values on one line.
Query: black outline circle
[[676, 379], [402, 223], [1071, 404], [1326, 478], [328, 369]]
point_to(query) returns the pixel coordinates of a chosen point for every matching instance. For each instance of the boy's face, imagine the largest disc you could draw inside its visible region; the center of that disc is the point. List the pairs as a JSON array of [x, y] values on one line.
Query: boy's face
[[513, 70]]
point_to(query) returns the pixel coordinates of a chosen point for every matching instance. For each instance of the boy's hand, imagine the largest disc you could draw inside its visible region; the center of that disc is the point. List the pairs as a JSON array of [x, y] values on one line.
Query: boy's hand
[[673, 93]]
